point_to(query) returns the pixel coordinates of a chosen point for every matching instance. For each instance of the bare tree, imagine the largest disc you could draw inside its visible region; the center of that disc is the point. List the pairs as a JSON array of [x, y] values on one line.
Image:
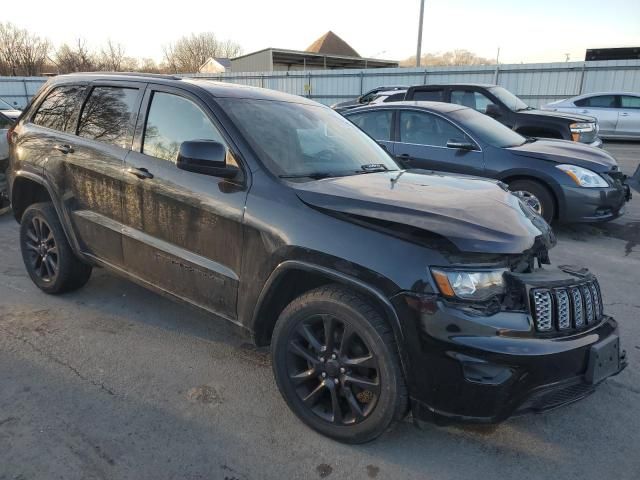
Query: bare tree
[[188, 53], [112, 57], [75, 59], [451, 58], [21, 53]]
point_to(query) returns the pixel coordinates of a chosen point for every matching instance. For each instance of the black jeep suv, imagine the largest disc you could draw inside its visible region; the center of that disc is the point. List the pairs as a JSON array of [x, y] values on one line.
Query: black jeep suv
[[380, 290], [504, 106]]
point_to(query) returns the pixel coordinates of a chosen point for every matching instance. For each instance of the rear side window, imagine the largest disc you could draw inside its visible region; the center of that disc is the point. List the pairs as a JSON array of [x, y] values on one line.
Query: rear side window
[[108, 115], [172, 120], [601, 101], [628, 101], [428, 95], [58, 110], [376, 124]]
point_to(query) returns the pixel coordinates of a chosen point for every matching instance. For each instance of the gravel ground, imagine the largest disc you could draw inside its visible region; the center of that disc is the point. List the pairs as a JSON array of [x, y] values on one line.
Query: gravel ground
[[114, 382]]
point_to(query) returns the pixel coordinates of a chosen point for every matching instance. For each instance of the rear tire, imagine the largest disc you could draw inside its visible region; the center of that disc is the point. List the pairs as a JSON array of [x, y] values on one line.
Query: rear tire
[[47, 256], [346, 384], [532, 192]]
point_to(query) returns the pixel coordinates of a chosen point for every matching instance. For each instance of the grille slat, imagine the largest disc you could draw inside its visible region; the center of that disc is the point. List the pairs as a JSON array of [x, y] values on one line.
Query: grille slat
[[574, 306]]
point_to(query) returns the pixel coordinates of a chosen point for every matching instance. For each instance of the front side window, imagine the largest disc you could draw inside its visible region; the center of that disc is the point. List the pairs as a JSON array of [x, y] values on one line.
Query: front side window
[[471, 99], [58, 109], [426, 129], [428, 95], [108, 115], [601, 101], [172, 120], [294, 139], [512, 102], [376, 124], [5, 122], [627, 101]]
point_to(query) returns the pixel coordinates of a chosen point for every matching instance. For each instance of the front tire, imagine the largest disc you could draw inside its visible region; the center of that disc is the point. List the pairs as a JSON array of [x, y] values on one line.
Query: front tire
[[537, 196], [336, 363], [47, 256]]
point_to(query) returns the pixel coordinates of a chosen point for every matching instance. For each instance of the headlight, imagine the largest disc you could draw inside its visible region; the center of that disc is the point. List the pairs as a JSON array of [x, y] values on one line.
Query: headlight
[[583, 177], [578, 129], [468, 285]]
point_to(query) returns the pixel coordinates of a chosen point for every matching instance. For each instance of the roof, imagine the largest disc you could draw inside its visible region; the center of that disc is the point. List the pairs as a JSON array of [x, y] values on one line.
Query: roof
[[439, 107], [282, 55], [332, 44], [458, 84]]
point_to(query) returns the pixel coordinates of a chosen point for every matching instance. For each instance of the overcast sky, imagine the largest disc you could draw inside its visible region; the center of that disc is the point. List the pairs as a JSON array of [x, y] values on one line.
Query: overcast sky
[[525, 31]]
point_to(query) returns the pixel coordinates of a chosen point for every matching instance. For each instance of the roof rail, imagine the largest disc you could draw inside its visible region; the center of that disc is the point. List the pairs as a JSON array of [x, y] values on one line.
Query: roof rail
[[134, 74]]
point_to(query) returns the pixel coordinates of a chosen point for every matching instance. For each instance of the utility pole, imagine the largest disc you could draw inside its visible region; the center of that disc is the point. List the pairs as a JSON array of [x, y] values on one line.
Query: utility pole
[[419, 52]]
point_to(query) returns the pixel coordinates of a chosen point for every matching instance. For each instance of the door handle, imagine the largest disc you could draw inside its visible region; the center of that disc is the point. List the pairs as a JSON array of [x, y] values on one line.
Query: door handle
[[405, 156], [584, 111], [64, 148], [141, 173], [624, 114]]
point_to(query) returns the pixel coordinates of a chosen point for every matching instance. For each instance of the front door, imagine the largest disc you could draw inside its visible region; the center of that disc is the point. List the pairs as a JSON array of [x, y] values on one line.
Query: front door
[[183, 230], [422, 143]]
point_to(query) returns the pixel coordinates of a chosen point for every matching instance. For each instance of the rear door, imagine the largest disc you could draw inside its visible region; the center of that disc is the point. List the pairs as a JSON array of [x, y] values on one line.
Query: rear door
[[629, 116], [422, 143], [94, 169], [183, 230], [602, 107], [377, 124]]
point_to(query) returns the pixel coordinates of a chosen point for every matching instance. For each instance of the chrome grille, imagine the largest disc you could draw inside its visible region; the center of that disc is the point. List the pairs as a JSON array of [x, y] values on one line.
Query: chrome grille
[[566, 308]]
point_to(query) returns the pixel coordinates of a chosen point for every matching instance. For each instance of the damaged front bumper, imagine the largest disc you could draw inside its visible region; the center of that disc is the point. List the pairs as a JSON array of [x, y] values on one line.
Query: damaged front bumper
[[467, 366]]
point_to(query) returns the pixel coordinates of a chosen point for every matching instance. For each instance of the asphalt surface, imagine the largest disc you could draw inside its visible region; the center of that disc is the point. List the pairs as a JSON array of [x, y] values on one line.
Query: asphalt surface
[[114, 382]]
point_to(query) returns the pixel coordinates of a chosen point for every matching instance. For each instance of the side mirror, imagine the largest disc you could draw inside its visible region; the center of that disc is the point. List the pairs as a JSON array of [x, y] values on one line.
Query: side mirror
[[492, 110], [460, 145], [206, 157]]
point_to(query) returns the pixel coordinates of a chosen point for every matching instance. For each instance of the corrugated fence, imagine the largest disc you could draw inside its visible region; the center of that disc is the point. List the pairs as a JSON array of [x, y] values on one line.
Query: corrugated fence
[[536, 84]]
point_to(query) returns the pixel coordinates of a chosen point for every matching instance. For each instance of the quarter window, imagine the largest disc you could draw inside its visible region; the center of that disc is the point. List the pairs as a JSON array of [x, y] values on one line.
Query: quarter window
[[471, 99], [172, 120], [427, 129], [376, 124], [601, 101], [108, 115], [57, 111], [428, 95], [628, 101]]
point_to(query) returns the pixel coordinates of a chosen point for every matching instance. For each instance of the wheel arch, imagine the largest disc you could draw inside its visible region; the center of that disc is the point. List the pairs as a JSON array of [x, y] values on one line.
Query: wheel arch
[[548, 183], [277, 294]]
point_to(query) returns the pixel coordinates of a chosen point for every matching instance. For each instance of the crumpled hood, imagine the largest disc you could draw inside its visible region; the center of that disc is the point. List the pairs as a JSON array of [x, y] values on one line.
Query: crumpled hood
[[573, 117], [474, 214], [565, 151]]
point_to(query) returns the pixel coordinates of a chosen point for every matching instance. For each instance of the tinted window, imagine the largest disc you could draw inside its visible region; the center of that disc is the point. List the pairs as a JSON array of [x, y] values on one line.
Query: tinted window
[[57, 110], [108, 115], [298, 139], [396, 97], [471, 99], [630, 102], [486, 128], [512, 102], [173, 120], [5, 122], [376, 124], [427, 129], [428, 95], [601, 101]]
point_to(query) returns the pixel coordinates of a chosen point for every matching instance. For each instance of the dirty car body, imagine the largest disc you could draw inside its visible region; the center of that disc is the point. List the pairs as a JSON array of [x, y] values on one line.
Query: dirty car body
[[287, 215]]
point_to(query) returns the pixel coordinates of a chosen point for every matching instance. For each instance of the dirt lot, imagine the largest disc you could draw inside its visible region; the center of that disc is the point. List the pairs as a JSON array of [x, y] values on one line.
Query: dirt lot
[[115, 382]]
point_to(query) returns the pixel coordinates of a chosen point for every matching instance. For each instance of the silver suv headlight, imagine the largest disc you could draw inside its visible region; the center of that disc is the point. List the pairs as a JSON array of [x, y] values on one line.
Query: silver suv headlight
[[470, 285], [583, 177]]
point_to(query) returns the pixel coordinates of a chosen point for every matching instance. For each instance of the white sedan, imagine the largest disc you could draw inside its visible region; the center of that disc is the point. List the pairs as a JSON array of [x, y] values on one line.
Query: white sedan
[[618, 113]]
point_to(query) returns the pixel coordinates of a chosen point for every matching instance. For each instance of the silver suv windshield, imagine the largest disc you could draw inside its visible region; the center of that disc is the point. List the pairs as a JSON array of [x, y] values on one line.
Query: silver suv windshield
[[512, 102], [306, 141]]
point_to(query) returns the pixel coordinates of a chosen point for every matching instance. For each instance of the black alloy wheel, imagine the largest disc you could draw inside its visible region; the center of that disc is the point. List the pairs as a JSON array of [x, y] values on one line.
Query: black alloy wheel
[[337, 364], [333, 370], [42, 249]]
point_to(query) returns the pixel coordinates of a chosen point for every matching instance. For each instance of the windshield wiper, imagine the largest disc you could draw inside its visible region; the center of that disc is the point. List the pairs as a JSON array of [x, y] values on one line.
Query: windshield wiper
[[373, 168], [312, 175]]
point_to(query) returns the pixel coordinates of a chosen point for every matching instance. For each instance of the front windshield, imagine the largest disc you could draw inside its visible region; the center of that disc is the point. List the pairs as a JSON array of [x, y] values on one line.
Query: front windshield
[[487, 129], [512, 102], [5, 106], [298, 140]]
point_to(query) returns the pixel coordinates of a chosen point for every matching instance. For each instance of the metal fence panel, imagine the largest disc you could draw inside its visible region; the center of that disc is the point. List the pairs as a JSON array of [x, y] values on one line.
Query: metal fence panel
[[536, 84]]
